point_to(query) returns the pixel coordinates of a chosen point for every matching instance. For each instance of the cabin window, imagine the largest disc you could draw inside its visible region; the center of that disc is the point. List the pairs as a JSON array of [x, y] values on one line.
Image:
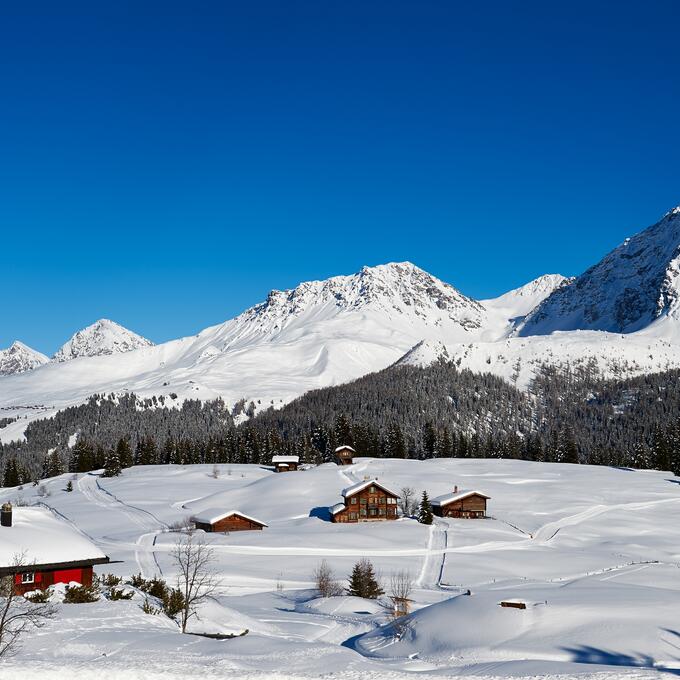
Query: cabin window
[[391, 501], [371, 490], [352, 516], [382, 500], [353, 501], [373, 512], [362, 512], [382, 512], [363, 501], [28, 577]]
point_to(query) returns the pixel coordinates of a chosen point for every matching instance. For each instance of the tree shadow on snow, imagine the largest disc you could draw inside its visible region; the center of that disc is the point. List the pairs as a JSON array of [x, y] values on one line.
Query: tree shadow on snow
[[604, 657], [673, 481], [322, 513]]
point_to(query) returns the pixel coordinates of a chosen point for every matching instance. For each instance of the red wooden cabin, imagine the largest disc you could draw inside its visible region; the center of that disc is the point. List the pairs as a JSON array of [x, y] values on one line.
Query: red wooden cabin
[[467, 504], [39, 550]]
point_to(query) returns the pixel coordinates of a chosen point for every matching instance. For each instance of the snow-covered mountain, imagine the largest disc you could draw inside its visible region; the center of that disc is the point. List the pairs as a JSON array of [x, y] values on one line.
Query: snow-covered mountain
[[634, 287], [323, 333], [19, 358], [101, 338]]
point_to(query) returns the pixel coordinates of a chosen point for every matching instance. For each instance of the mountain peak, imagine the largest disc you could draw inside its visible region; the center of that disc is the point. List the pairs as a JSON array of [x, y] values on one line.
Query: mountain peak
[[100, 338], [635, 285], [19, 358]]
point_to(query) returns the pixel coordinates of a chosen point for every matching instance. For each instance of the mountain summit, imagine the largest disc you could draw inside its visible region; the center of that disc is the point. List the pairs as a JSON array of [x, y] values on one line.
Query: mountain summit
[[101, 338], [634, 286], [19, 358]]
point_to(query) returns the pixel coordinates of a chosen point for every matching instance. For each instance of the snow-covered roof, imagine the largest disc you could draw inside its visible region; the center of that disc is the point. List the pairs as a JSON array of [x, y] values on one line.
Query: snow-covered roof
[[338, 507], [285, 459], [212, 515], [457, 496], [345, 447], [41, 538], [360, 486]]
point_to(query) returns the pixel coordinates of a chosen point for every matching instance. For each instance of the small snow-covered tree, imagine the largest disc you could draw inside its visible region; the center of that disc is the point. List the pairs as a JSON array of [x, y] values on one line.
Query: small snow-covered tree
[[363, 581], [425, 515]]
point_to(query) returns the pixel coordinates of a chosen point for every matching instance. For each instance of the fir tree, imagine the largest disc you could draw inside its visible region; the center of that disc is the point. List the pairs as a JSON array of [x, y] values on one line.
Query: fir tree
[[112, 467], [425, 515], [124, 452], [363, 581]]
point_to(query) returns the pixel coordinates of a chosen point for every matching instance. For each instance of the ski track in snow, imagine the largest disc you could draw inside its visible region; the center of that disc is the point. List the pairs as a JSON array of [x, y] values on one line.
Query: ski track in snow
[[89, 486]]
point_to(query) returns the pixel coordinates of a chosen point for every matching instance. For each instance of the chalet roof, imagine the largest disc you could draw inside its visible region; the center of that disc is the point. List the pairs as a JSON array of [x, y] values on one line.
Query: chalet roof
[[338, 507], [285, 459], [345, 448], [41, 538], [457, 496], [212, 515], [360, 486]]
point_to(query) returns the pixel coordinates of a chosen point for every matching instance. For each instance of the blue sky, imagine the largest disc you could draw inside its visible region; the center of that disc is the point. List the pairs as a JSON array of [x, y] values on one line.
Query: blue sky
[[165, 164]]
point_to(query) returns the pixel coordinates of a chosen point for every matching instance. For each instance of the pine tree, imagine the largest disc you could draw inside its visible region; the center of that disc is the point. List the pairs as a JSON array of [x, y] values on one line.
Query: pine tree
[[112, 467], [82, 456], [363, 581], [425, 515], [10, 476], [124, 452]]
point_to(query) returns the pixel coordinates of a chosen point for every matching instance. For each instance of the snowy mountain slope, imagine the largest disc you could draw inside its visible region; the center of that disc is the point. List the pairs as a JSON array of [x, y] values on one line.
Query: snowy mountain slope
[[101, 338], [19, 358], [591, 550], [635, 286]]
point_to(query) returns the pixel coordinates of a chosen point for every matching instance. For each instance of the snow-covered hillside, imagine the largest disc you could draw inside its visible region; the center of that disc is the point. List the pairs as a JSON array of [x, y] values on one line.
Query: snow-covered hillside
[[592, 551], [633, 287], [19, 358], [101, 338]]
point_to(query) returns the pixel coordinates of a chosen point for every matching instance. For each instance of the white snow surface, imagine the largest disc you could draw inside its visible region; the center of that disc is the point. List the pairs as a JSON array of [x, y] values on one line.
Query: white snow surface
[[37, 536], [101, 338], [18, 358], [592, 551]]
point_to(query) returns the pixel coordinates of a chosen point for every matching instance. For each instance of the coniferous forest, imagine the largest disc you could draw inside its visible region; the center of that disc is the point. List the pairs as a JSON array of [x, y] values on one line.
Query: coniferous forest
[[402, 412]]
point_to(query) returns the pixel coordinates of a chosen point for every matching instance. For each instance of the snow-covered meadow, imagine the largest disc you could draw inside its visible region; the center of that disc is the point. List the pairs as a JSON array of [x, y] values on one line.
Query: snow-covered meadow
[[592, 551]]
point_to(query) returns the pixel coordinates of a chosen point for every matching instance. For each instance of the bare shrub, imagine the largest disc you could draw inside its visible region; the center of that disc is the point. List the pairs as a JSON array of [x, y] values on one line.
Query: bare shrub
[[325, 580]]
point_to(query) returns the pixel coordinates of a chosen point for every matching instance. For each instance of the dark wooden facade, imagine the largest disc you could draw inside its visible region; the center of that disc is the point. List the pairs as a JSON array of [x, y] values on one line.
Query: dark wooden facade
[[344, 455], [285, 467], [469, 507], [234, 522], [370, 504]]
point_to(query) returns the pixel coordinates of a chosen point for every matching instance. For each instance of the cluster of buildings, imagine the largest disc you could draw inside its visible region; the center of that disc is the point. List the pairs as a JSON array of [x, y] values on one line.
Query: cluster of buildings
[[59, 553]]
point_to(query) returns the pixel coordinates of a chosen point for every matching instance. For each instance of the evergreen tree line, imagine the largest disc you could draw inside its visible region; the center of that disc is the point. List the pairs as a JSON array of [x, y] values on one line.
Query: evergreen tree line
[[401, 412]]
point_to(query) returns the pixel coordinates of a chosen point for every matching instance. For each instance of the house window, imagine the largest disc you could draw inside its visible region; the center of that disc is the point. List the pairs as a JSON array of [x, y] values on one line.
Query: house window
[[373, 512], [382, 500], [28, 577], [353, 501], [363, 501], [362, 512], [382, 512], [352, 516], [371, 490]]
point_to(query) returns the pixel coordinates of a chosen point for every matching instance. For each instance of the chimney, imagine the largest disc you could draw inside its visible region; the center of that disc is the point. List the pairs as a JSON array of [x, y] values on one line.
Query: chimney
[[6, 515], [455, 489]]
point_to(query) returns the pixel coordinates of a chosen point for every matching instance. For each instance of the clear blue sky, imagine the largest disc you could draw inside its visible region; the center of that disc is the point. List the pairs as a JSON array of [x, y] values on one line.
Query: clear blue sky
[[165, 164]]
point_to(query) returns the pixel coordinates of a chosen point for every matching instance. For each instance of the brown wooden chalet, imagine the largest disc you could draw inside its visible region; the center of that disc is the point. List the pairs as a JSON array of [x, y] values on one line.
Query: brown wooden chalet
[[285, 463], [367, 501], [468, 504], [216, 519], [344, 455], [39, 550]]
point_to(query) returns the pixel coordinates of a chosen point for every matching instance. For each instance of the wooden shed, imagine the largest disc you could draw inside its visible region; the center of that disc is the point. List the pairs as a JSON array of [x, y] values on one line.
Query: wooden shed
[[367, 501], [285, 463], [344, 455], [465, 503], [51, 550], [217, 520]]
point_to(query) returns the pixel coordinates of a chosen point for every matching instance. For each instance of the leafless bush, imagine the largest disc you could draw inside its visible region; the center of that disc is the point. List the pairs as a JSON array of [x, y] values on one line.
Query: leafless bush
[[325, 580], [182, 525], [408, 503]]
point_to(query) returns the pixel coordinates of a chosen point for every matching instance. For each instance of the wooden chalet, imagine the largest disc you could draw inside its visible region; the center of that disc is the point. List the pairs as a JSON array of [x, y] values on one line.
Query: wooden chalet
[[51, 551], [467, 504], [367, 501], [285, 463], [344, 455], [217, 520]]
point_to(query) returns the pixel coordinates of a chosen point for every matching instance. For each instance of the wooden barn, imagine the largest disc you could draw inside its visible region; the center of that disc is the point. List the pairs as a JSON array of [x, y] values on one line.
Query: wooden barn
[[467, 504], [51, 550], [367, 501], [285, 463], [344, 455], [217, 520]]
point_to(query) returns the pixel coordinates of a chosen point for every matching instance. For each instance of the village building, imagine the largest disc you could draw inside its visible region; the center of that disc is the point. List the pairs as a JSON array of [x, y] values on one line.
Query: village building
[[285, 463], [464, 503], [217, 520], [344, 455], [367, 501], [39, 550]]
